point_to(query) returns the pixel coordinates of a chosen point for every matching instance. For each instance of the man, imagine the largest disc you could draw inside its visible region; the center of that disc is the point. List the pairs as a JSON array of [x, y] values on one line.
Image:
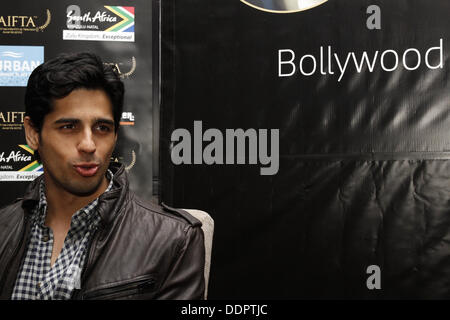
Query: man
[[79, 232]]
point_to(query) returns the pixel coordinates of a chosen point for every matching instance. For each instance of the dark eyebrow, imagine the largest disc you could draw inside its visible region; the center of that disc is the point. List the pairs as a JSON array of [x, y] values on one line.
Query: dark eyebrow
[[67, 120], [105, 121], [73, 120]]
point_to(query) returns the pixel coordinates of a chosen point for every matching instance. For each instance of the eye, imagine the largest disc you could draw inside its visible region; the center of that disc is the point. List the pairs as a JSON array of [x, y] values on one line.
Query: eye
[[103, 128], [67, 126]]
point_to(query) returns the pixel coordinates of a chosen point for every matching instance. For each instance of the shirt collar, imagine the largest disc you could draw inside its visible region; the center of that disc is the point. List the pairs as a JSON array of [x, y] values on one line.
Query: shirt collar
[[82, 216]]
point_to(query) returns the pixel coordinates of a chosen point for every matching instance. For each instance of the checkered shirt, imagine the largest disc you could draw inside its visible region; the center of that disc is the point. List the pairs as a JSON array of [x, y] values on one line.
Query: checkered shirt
[[36, 279]]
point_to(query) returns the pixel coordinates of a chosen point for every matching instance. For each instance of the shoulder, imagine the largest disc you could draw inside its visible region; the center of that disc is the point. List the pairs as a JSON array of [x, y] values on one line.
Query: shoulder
[[163, 213], [16, 210], [150, 227], [11, 218], [11, 212]]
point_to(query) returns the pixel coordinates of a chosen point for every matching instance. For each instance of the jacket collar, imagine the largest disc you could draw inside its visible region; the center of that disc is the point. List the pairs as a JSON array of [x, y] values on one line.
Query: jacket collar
[[109, 202]]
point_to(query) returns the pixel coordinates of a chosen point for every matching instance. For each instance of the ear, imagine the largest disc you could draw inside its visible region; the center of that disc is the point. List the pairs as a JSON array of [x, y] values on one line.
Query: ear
[[31, 133]]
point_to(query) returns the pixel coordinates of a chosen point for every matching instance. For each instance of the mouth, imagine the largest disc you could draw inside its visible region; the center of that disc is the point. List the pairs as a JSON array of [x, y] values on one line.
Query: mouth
[[86, 169]]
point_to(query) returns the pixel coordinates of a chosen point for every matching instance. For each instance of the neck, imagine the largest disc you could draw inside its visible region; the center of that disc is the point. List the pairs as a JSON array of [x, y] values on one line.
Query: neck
[[61, 204]]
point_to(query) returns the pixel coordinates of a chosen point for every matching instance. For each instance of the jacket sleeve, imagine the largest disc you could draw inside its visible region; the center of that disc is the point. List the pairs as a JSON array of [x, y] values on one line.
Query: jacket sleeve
[[185, 280]]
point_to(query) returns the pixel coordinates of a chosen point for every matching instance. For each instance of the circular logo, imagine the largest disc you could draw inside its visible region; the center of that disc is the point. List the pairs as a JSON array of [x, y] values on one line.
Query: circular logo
[[283, 6]]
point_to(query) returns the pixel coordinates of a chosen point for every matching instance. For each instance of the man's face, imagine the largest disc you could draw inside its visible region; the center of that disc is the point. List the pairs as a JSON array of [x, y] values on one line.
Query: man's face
[[76, 142]]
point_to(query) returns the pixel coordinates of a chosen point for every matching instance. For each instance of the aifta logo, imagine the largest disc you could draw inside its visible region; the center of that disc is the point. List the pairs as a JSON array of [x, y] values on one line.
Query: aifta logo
[[17, 24], [283, 6], [11, 120], [17, 63]]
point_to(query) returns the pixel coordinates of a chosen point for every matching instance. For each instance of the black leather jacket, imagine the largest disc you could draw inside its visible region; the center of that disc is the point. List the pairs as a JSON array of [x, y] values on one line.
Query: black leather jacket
[[139, 251]]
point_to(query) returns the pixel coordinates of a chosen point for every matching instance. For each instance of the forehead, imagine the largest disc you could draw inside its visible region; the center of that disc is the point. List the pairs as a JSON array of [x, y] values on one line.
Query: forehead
[[83, 104]]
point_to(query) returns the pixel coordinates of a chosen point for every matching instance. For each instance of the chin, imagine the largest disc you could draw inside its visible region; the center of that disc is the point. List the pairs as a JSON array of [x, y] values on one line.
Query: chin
[[85, 190]]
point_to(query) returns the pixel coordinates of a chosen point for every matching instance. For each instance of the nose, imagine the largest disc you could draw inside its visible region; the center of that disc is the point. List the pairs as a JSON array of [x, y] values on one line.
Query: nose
[[87, 143]]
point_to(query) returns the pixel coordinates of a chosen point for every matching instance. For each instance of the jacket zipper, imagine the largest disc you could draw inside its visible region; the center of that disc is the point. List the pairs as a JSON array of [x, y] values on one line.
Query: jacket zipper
[[142, 285], [14, 253]]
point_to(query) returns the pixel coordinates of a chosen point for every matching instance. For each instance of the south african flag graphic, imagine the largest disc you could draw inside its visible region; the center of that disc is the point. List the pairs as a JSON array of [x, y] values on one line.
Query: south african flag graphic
[[127, 15], [33, 166]]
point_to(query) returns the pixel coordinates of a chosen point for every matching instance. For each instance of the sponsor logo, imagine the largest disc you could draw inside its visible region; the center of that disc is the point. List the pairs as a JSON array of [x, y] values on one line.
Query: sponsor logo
[[111, 23], [283, 6], [124, 71], [18, 24], [18, 165], [127, 119], [17, 63], [121, 159], [11, 120]]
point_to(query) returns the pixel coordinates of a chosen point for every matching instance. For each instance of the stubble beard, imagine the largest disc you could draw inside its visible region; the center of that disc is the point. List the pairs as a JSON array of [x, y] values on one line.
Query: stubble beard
[[78, 188]]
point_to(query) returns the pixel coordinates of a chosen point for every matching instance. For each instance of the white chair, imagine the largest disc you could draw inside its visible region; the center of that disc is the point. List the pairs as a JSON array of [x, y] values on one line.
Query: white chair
[[208, 231]]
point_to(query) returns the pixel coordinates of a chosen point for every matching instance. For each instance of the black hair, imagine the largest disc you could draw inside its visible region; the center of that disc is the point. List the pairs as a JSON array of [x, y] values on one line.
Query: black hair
[[58, 77]]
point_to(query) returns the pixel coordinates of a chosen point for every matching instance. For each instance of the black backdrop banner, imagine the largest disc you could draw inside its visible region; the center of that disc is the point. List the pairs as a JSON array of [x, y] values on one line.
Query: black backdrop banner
[[359, 206], [341, 187], [125, 34]]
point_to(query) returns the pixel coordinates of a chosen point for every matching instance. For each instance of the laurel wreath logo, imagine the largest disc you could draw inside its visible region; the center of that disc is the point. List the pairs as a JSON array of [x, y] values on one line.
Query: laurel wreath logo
[[133, 161], [119, 72], [47, 22], [133, 68]]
